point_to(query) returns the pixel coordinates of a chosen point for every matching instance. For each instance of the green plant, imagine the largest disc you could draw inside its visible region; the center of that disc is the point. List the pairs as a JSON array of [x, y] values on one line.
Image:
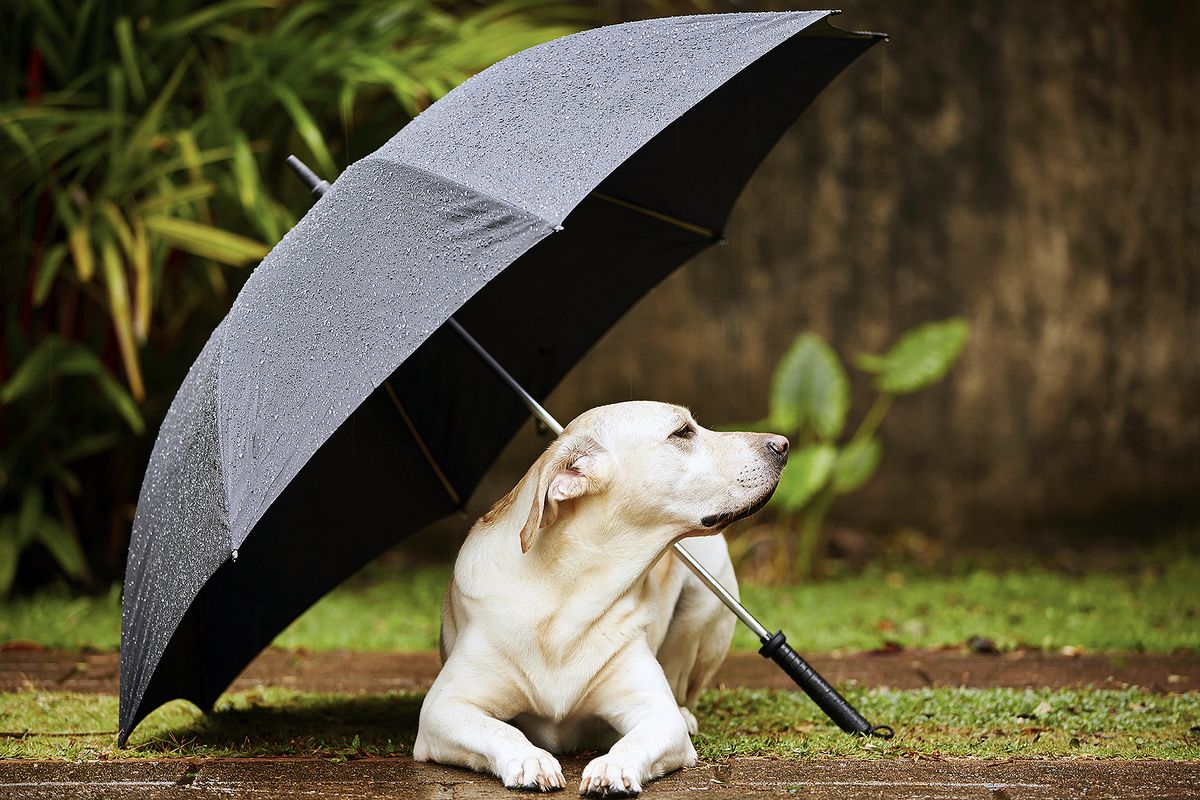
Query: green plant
[[809, 402], [42, 471], [142, 153]]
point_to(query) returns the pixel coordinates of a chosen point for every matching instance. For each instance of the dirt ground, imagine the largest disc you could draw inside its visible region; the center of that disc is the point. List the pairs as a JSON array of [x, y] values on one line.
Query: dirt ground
[[402, 778], [24, 667], [60, 670]]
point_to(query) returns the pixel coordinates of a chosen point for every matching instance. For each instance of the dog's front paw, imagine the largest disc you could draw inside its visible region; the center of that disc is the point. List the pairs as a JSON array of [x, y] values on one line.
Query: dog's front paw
[[604, 777], [690, 720], [535, 771]]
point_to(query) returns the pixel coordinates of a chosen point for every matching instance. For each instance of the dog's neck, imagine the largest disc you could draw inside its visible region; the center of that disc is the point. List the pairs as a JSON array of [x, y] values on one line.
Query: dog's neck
[[592, 547]]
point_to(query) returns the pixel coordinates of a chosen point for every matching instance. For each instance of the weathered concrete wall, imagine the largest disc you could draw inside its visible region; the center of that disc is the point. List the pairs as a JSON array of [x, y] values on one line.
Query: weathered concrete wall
[[1033, 167]]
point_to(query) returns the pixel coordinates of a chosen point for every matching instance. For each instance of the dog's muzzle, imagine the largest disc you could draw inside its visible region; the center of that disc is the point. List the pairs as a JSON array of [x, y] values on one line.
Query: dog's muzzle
[[730, 517], [777, 448]]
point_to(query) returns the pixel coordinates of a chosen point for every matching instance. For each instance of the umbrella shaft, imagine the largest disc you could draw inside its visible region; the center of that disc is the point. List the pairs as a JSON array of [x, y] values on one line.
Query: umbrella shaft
[[318, 188], [731, 602], [534, 406]]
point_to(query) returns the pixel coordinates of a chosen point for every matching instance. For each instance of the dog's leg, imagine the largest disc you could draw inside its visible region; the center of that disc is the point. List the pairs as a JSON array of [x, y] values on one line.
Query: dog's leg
[[453, 730], [701, 628], [654, 737]]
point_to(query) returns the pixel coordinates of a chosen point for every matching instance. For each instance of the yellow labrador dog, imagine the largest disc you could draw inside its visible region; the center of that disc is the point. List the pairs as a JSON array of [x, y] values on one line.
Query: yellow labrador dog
[[564, 626]]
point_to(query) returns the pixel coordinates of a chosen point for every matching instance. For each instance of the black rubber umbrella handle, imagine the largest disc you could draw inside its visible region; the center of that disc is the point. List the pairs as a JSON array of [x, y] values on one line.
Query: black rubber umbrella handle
[[822, 693], [774, 646]]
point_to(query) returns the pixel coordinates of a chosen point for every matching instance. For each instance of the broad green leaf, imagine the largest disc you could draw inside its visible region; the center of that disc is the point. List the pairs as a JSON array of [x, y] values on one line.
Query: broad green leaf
[[117, 224], [870, 363], [87, 446], [50, 358], [190, 156], [23, 142], [206, 16], [122, 316], [170, 199], [47, 271], [806, 474], [251, 191], [80, 241], [83, 14], [122, 402], [55, 357], [116, 104], [139, 259], [245, 173], [63, 545], [67, 480], [346, 107], [921, 358], [810, 388], [206, 241], [123, 31], [856, 463], [307, 127], [28, 515], [50, 18], [148, 125], [50, 50]]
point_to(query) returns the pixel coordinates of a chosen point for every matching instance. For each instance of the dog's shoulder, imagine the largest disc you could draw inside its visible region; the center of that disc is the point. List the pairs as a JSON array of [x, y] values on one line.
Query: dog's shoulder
[[498, 509]]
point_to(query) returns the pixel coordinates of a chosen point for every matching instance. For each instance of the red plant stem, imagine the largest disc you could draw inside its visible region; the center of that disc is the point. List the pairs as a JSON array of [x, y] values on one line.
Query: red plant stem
[[33, 77]]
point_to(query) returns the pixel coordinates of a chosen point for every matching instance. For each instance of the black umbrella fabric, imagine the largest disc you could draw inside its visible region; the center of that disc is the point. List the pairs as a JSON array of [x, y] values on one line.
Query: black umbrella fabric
[[333, 412]]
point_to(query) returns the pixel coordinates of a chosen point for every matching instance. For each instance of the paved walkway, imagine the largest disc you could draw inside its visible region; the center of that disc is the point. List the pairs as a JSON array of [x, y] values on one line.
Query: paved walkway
[[378, 672], [402, 779]]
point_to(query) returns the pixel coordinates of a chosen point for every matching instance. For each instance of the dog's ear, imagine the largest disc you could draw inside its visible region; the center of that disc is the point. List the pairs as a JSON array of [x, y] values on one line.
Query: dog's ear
[[568, 470]]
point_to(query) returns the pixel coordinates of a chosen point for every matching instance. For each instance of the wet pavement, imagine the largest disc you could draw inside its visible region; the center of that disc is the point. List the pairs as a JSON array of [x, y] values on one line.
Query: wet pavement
[[339, 671], [402, 778]]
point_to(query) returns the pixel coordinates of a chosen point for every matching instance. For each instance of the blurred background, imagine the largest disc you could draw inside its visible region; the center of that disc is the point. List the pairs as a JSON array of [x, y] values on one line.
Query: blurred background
[[1028, 170]]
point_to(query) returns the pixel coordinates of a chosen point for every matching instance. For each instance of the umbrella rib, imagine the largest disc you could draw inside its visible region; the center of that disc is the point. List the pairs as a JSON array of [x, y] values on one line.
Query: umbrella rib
[[424, 448], [691, 227]]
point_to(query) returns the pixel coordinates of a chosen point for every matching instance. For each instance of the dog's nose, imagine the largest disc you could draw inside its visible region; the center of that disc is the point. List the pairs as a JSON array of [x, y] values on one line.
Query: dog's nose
[[778, 445]]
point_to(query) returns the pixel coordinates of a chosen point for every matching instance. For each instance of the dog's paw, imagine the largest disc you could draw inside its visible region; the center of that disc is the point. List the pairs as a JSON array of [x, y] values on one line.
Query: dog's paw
[[690, 719], [604, 777], [535, 771]]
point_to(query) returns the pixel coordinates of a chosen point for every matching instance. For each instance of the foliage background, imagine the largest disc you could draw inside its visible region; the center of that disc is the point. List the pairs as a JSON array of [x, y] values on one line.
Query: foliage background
[[1029, 167], [143, 157]]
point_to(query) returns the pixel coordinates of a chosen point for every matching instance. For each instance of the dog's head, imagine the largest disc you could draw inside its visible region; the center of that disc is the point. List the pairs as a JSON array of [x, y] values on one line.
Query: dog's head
[[648, 466]]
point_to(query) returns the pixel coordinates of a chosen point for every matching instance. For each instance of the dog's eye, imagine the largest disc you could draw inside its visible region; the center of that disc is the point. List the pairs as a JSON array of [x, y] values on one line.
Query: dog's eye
[[685, 432]]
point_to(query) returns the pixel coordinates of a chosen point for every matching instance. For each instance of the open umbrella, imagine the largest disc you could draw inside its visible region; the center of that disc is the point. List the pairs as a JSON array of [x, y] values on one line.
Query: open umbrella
[[334, 410]]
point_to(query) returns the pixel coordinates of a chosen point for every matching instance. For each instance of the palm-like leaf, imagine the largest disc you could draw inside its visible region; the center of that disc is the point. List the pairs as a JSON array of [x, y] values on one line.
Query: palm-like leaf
[[142, 146]]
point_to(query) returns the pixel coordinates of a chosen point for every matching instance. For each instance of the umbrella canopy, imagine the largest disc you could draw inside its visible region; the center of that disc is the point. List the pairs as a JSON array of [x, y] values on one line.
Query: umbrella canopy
[[332, 412]]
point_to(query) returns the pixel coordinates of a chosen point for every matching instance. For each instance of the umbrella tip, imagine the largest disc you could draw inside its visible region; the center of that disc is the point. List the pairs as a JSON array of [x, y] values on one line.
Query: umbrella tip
[[307, 176]]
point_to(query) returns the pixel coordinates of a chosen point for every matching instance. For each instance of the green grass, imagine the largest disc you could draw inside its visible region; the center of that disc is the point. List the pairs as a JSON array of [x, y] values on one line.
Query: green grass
[[1155, 610], [1154, 607], [976, 723], [985, 723]]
